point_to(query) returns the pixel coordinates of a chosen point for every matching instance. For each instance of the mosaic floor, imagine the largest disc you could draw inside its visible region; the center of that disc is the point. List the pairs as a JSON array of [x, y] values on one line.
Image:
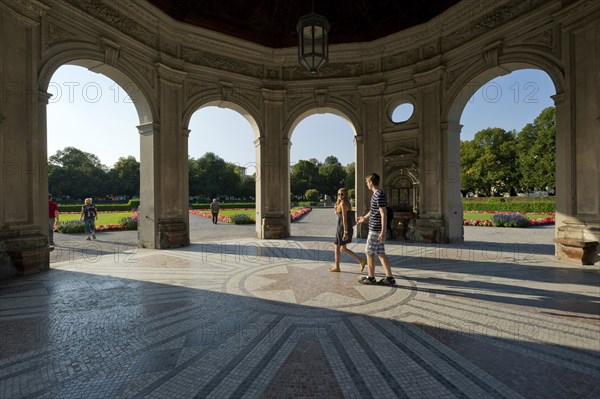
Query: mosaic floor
[[264, 319]]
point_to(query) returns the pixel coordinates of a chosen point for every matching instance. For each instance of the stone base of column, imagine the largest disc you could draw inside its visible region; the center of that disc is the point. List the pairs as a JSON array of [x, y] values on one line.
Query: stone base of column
[[23, 254], [429, 230], [577, 243], [172, 233], [273, 227]]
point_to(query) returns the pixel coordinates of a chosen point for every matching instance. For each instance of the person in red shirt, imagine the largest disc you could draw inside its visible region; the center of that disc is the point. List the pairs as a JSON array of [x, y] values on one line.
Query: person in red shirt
[[53, 216]]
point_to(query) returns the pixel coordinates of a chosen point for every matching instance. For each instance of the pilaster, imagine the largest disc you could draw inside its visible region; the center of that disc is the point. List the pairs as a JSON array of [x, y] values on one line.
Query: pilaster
[[273, 198], [369, 146], [452, 197], [430, 225]]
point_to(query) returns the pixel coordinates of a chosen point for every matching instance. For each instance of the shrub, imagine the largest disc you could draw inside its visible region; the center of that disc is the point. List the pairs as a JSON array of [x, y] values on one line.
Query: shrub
[[510, 206], [510, 220], [132, 204], [129, 223], [72, 227], [241, 218]]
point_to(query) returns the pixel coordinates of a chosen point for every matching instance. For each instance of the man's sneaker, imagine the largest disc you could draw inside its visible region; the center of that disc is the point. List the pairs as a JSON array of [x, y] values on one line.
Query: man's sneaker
[[387, 281], [368, 280], [94, 236]]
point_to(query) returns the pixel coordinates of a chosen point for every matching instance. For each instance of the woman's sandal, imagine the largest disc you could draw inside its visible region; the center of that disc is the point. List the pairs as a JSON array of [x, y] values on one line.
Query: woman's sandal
[[362, 265], [334, 270]]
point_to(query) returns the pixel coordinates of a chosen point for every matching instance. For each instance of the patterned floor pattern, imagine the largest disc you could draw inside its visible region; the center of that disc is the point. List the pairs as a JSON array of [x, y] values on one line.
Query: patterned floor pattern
[[264, 319]]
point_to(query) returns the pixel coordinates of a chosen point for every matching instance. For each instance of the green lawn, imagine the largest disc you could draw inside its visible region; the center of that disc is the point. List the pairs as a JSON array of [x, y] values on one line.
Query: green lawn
[[488, 216], [103, 217], [228, 212]]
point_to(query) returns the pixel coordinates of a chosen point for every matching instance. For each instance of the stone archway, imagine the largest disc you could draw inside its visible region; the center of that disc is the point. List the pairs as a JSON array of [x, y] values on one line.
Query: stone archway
[[199, 102], [308, 110]]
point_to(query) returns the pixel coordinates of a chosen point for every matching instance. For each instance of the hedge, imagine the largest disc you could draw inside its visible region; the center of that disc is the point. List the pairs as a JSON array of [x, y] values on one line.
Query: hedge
[[132, 204], [226, 205], [510, 206]]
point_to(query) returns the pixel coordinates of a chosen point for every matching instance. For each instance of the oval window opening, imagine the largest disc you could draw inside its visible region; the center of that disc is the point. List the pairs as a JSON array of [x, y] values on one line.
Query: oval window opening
[[402, 113]]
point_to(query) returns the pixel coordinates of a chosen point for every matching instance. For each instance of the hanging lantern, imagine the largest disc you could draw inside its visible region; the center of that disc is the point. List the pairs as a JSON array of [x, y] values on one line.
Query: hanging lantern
[[313, 36]]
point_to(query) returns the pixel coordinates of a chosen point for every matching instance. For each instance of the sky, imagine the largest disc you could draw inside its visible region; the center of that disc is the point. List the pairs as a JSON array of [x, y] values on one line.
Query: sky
[[90, 112]]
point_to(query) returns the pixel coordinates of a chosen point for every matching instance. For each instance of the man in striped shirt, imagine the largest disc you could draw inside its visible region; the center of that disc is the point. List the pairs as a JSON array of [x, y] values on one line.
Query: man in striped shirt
[[376, 237]]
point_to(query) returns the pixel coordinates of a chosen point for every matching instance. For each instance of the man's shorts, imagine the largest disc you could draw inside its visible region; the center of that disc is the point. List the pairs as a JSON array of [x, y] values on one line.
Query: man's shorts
[[374, 246]]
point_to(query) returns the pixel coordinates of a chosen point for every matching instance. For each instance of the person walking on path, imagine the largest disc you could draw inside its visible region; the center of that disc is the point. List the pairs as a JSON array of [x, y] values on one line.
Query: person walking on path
[[214, 210], [344, 230], [53, 219], [376, 236], [89, 214]]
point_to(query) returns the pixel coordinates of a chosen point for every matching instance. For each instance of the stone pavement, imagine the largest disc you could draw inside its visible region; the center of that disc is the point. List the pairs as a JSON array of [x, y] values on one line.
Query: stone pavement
[[232, 316]]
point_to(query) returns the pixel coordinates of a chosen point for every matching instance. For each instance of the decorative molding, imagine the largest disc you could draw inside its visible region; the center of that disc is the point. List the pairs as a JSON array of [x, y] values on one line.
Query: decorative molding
[[576, 10], [44, 97], [273, 95], [559, 98], [350, 98], [433, 75], [320, 97], [492, 20], [118, 19], [145, 71], [372, 90], [226, 90], [400, 60], [148, 129], [214, 61], [29, 11], [111, 51], [545, 38], [193, 88], [491, 54], [54, 33], [169, 74], [453, 74]]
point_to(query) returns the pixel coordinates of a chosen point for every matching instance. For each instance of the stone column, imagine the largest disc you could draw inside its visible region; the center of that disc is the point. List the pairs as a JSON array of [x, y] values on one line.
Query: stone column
[[451, 195], [164, 188], [360, 191], [369, 148], [430, 224], [577, 141], [23, 148], [273, 176]]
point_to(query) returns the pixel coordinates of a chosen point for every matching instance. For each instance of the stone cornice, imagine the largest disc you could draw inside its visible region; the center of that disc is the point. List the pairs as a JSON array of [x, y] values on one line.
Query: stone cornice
[[575, 10], [372, 90], [29, 11], [273, 95], [460, 24], [169, 74]]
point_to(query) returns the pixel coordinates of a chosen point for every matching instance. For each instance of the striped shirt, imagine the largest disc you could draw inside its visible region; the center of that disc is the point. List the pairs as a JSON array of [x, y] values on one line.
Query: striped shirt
[[378, 200]]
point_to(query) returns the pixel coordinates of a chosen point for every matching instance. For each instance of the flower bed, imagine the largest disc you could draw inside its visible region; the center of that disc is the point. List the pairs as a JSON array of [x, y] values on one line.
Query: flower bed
[[512, 219], [77, 226], [242, 218]]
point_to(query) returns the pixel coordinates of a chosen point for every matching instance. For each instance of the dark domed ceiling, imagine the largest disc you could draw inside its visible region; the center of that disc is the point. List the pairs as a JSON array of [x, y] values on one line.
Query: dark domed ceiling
[[272, 23]]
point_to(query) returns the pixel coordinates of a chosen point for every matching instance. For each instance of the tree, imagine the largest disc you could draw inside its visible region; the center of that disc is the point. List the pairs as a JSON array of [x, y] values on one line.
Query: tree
[[536, 145], [470, 180], [489, 162], [350, 180], [78, 174], [312, 195], [210, 176], [332, 176], [126, 177], [304, 175]]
